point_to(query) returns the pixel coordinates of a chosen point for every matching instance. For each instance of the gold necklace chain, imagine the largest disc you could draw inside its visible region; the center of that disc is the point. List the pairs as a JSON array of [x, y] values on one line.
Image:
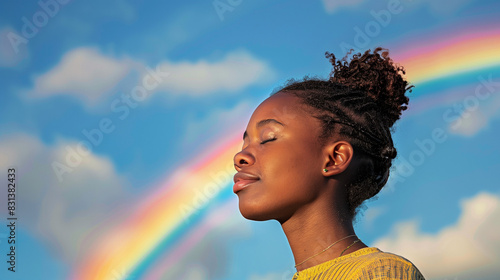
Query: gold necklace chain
[[355, 241], [325, 249]]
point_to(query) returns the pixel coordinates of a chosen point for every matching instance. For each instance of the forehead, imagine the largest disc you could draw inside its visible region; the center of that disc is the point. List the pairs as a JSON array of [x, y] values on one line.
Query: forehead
[[285, 108]]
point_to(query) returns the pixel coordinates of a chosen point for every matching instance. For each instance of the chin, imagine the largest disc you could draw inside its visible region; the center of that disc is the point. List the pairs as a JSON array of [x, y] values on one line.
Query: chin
[[254, 213]]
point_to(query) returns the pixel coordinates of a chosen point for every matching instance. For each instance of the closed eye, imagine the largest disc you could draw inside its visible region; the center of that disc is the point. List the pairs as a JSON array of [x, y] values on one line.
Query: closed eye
[[268, 140]]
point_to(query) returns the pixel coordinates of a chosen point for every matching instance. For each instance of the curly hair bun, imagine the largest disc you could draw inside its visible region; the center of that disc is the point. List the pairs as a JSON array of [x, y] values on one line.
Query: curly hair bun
[[377, 76]]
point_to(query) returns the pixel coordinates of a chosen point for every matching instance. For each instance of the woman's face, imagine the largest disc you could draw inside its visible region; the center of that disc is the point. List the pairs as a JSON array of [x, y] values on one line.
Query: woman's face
[[280, 164]]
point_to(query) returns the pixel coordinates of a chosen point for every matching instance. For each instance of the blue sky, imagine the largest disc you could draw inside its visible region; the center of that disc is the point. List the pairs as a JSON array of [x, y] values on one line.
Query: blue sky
[[80, 62]]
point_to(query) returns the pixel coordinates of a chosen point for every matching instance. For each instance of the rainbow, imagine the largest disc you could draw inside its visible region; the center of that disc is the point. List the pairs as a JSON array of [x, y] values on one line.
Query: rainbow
[[147, 242], [453, 56], [155, 220]]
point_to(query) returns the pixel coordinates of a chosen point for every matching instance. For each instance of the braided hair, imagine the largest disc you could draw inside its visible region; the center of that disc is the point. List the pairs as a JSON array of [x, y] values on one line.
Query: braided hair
[[359, 103]]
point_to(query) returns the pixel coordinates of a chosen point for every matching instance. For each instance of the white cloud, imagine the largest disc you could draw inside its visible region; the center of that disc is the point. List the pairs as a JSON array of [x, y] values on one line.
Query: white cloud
[[237, 70], [468, 249], [61, 213], [92, 77], [84, 73], [470, 123], [476, 117], [333, 5]]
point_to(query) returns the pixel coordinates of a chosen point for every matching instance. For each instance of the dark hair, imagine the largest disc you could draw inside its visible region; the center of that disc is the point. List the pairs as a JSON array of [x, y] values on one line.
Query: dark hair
[[359, 103]]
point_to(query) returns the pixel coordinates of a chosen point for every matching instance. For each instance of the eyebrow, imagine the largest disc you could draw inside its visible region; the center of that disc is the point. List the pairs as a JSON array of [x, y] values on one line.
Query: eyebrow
[[263, 123]]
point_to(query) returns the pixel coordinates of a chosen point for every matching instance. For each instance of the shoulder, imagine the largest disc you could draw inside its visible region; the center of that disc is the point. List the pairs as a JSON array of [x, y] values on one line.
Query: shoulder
[[385, 265]]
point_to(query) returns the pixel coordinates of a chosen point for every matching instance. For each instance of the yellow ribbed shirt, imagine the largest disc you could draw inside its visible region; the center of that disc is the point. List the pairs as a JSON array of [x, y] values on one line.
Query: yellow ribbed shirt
[[366, 263]]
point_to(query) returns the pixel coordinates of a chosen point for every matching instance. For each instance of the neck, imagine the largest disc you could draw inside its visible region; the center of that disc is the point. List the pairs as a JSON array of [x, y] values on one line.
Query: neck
[[313, 229]]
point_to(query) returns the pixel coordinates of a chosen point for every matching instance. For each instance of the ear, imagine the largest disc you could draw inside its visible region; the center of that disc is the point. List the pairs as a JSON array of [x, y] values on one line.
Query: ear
[[337, 157]]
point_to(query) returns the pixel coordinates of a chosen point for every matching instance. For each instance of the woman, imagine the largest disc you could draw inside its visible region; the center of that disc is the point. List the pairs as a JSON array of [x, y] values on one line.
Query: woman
[[313, 152]]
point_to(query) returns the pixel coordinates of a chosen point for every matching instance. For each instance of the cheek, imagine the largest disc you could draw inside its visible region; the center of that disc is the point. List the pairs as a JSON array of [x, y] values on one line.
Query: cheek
[[289, 180], [292, 173]]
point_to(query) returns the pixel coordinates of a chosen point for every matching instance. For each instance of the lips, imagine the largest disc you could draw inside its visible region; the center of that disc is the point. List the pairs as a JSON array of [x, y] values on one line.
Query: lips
[[242, 180]]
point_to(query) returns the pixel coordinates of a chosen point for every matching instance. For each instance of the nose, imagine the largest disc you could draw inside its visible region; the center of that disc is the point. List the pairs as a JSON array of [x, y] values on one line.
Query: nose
[[242, 159]]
